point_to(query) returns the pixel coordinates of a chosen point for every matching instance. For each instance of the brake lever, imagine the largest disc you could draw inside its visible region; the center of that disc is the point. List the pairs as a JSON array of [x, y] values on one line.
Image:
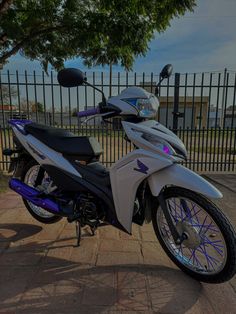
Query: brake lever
[[102, 115], [90, 118]]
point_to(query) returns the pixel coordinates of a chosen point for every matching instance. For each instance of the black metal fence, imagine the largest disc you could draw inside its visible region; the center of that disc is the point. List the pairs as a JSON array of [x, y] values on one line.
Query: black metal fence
[[199, 107]]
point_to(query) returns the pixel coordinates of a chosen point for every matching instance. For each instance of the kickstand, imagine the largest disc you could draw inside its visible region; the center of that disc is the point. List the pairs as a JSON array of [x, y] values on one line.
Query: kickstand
[[78, 232]]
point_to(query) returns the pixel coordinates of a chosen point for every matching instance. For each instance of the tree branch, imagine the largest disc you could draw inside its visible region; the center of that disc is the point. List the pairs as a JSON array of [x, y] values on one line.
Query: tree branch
[[27, 40], [4, 6], [3, 38]]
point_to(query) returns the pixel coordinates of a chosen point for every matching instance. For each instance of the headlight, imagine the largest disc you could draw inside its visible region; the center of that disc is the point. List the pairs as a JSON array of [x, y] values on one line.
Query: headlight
[[147, 107]]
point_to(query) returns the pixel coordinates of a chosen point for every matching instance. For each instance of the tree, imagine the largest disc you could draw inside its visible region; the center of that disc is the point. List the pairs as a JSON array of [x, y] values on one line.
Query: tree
[[100, 31], [6, 95], [31, 106], [37, 107], [4, 5]]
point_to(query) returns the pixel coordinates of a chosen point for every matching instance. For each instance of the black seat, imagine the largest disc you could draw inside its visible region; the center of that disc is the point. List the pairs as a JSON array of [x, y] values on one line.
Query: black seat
[[65, 142], [94, 173]]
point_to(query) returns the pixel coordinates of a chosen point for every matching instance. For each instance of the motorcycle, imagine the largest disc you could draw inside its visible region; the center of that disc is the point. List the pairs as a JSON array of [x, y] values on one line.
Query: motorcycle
[[58, 174]]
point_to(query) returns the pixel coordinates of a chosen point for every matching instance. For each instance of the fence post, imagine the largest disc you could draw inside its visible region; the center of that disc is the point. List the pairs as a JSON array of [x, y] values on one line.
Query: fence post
[[110, 80], [176, 103]]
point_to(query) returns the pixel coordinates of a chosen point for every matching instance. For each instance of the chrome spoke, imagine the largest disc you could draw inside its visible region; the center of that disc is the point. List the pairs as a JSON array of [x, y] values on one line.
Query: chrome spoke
[[30, 179], [205, 249]]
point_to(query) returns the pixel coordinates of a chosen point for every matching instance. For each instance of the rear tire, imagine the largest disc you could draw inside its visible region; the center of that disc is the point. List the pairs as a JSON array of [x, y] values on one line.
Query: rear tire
[[45, 217], [221, 226]]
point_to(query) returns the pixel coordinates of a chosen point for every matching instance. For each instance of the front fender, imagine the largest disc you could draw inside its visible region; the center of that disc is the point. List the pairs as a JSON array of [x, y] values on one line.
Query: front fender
[[177, 175]]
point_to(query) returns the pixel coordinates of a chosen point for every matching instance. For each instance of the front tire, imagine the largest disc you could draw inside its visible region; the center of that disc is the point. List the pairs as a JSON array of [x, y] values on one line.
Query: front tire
[[28, 176], [209, 252]]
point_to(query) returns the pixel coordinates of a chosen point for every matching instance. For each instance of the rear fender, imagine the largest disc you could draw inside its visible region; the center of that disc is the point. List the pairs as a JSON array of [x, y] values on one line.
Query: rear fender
[[18, 164]]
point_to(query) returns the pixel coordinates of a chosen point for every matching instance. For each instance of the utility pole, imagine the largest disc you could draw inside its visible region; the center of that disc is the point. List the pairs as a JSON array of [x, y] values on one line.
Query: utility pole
[[110, 80], [222, 117]]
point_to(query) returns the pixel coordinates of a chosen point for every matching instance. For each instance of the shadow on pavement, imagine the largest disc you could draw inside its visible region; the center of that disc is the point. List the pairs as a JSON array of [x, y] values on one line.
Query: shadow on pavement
[[18, 231], [58, 285]]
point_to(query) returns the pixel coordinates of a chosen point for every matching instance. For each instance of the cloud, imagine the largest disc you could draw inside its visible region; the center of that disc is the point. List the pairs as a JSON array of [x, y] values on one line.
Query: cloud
[[202, 41]]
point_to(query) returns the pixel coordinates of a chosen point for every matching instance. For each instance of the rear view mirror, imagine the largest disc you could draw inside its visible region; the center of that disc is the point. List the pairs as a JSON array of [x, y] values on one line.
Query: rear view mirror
[[71, 77], [166, 71]]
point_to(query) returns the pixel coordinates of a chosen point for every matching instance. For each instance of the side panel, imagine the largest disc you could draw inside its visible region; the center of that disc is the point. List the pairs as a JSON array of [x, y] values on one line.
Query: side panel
[[43, 154], [177, 175], [126, 175]]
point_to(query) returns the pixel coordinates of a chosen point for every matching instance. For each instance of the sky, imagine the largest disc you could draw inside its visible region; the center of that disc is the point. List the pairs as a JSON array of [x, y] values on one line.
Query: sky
[[201, 41]]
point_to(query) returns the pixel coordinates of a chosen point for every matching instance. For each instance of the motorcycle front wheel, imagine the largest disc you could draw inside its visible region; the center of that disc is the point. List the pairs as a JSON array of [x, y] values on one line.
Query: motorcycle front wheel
[[208, 252]]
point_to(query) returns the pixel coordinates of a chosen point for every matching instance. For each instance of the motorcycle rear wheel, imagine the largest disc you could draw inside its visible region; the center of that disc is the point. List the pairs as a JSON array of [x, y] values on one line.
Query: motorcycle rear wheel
[[209, 252], [28, 176]]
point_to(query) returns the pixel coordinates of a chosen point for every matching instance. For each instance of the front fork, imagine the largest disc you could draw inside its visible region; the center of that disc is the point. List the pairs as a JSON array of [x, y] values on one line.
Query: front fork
[[178, 238]]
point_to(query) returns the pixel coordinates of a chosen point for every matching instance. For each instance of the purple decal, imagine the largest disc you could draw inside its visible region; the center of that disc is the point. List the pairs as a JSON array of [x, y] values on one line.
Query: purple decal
[[166, 150], [141, 167], [33, 195], [19, 124]]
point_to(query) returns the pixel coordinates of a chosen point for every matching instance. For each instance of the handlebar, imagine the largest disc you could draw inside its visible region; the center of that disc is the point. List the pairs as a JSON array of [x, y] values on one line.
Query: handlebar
[[89, 112], [104, 110]]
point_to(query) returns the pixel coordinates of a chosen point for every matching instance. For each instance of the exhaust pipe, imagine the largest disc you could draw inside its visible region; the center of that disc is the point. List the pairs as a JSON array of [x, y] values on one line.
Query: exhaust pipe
[[33, 195]]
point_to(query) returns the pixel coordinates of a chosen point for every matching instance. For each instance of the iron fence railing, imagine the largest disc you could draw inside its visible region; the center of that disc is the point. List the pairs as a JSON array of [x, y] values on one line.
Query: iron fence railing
[[199, 107]]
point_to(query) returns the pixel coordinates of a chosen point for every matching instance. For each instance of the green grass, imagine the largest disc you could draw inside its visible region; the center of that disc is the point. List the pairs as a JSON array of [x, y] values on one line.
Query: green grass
[[3, 182]]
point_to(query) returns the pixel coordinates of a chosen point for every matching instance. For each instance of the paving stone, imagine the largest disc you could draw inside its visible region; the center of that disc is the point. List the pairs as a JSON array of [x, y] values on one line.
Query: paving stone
[[56, 297], [28, 245], [50, 232], [222, 297], [4, 246], [171, 301], [6, 234], [153, 254], [201, 306], [119, 246], [148, 236], [13, 282], [119, 258], [133, 299], [134, 236], [100, 277], [34, 310], [132, 279], [99, 296], [147, 233], [10, 202], [108, 232], [233, 283], [21, 258], [172, 290], [86, 253], [66, 296], [136, 312], [163, 277], [56, 254]]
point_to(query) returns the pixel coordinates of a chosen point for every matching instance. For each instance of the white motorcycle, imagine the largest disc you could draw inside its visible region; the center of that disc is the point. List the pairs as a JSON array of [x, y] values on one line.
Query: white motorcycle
[[58, 174]]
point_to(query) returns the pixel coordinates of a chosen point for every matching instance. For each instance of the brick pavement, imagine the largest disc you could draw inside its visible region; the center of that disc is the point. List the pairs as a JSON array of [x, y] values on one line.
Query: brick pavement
[[42, 272]]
